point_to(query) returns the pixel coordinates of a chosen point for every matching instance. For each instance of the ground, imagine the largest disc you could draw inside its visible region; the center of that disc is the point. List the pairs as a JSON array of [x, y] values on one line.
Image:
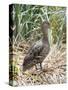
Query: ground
[[53, 72]]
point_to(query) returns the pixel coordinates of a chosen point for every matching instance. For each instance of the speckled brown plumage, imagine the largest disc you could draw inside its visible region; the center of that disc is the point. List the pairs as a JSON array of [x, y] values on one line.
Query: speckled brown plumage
[[39, 50]]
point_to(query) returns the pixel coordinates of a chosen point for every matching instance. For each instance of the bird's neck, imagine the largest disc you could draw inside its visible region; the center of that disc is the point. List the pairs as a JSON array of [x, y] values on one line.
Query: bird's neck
[[45, 35], [45, 38]]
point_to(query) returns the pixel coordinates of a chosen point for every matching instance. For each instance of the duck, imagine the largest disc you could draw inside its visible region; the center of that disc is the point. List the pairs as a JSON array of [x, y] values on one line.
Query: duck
[[39, 50]]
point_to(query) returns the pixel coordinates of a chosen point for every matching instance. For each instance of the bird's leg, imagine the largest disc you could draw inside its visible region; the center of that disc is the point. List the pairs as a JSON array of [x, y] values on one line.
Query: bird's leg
[[40, 66]]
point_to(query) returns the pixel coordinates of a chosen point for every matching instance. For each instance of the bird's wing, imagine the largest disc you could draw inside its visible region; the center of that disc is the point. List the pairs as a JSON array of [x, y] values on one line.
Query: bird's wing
[[36, 48]]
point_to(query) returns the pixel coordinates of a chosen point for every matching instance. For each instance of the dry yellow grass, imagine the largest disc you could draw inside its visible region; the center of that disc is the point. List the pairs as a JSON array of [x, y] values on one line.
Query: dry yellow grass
[[53, 72]]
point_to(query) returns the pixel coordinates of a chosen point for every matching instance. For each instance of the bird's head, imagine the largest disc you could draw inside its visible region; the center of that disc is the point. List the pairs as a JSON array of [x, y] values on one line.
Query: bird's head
[[45, 26]]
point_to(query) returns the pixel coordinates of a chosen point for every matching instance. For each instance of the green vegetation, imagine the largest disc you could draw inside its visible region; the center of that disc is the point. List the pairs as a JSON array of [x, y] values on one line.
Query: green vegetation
[[27, 19]]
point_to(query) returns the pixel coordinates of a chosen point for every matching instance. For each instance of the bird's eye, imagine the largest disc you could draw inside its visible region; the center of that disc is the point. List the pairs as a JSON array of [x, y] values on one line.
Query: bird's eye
[[23, 64]]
